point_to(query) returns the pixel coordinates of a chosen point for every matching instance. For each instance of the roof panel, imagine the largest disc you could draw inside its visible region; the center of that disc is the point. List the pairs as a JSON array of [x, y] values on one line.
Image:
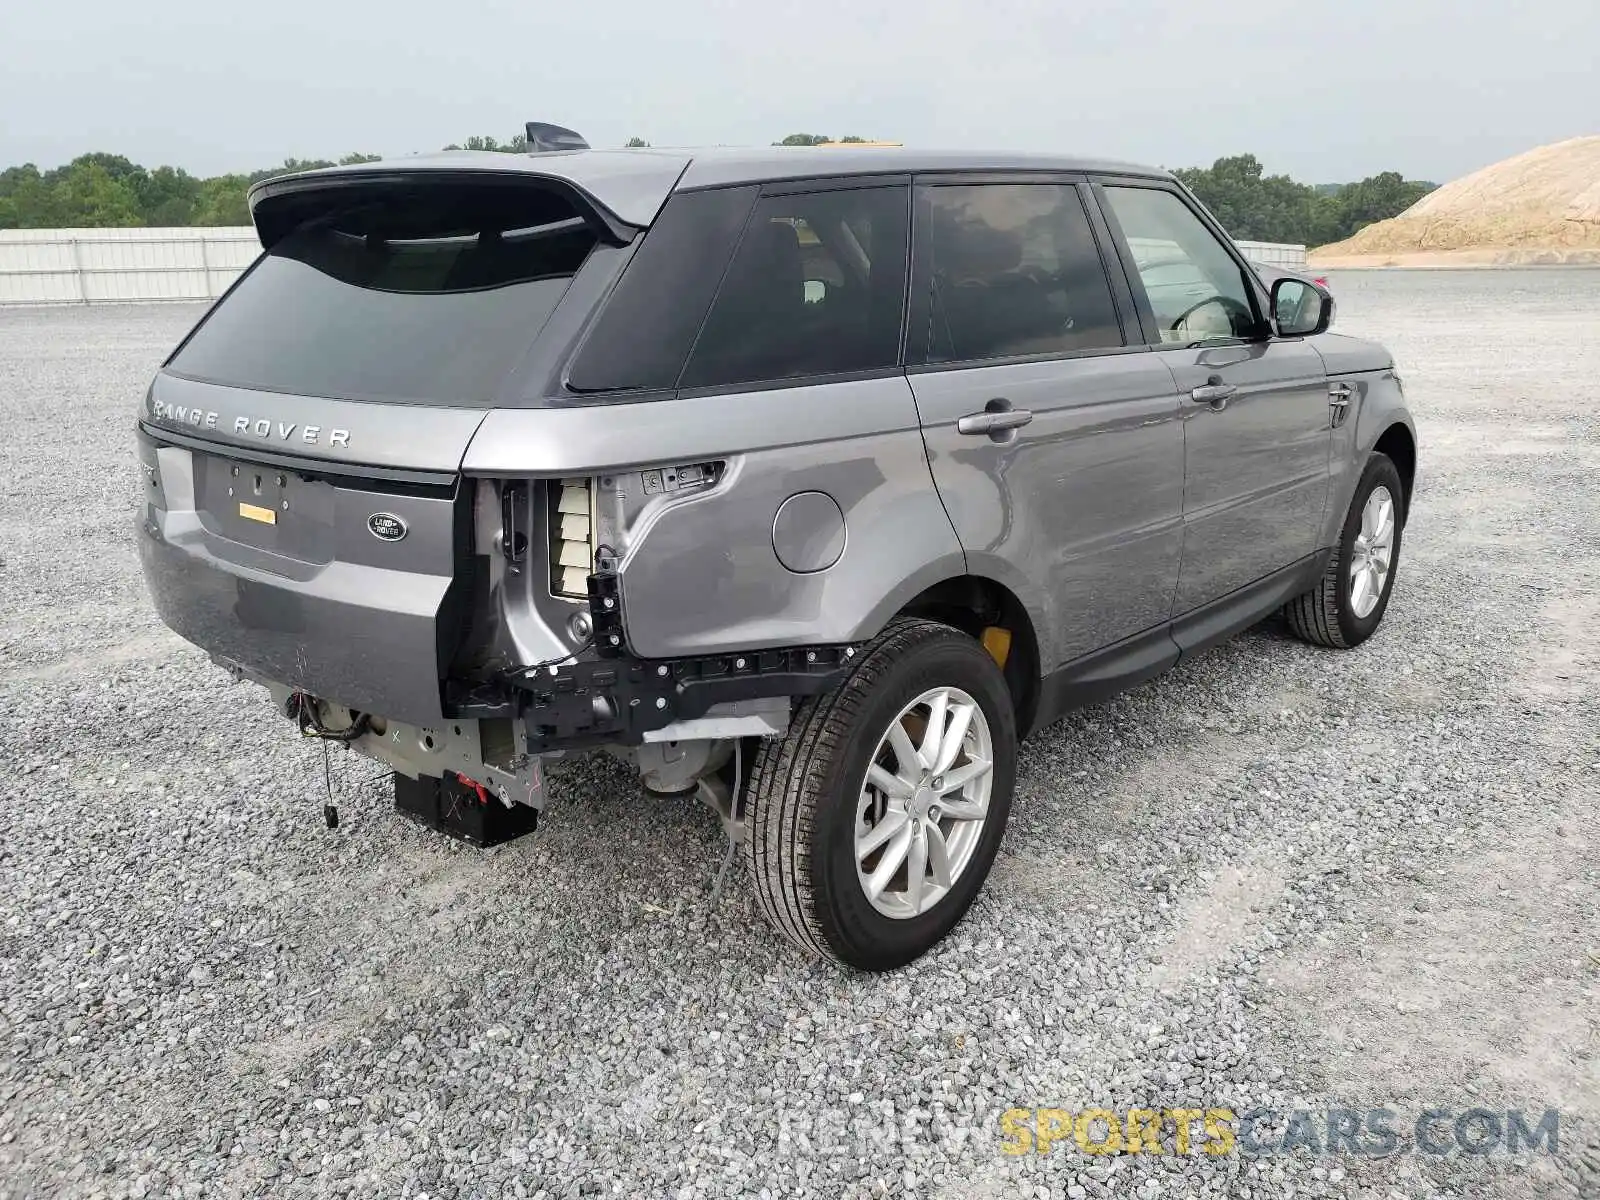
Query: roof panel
[[712, 168], [634, 184]]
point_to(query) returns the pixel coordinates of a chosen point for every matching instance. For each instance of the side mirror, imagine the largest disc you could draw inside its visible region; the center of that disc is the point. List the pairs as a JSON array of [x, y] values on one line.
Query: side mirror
[[1301, 309]]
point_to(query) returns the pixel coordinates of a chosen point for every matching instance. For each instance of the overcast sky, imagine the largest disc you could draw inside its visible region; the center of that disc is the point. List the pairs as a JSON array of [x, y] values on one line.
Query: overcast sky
[[1322, 91]]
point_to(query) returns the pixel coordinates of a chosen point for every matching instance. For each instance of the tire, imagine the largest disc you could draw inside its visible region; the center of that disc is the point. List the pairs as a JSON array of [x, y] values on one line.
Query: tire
[[1334, 613], [809, 803]]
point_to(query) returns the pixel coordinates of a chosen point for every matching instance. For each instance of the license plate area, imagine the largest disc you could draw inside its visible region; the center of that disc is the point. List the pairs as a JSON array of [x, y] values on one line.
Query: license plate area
[[265, 507], [259, 491]]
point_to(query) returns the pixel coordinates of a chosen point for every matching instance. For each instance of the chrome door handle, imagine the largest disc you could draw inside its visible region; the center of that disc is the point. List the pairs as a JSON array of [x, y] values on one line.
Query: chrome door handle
[[994, 422], [1215, 394]]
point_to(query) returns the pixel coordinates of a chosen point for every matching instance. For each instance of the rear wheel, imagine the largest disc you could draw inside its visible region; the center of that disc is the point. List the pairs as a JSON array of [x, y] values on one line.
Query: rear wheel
[[1349, 601], [873, 823]]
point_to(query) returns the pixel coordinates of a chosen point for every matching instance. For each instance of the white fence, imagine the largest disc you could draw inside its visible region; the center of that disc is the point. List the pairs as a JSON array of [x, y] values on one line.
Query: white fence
[[1274, 254], [107, 266], [103, 266]]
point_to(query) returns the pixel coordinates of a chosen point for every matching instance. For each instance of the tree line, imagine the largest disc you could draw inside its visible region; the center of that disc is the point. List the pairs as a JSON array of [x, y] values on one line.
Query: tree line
[[108, 190], [1274, 208]]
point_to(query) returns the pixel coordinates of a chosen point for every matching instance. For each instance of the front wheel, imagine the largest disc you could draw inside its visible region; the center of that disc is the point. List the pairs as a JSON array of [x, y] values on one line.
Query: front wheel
[[1349, 601], [873, 822]]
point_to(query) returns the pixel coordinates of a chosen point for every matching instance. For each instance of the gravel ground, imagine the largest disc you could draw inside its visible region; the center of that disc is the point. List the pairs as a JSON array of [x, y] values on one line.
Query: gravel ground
[[1276, 877]]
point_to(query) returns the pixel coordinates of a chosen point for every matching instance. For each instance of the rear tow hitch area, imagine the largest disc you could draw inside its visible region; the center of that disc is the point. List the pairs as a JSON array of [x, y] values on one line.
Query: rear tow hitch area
[[462, 808], [499, 801], [302, 710]]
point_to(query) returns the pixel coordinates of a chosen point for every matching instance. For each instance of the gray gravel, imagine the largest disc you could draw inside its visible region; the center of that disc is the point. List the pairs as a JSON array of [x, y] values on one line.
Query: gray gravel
[[1278, 876]]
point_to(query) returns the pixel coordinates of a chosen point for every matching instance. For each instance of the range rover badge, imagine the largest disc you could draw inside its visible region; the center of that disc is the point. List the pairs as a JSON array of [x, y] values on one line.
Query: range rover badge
[[387, 527]]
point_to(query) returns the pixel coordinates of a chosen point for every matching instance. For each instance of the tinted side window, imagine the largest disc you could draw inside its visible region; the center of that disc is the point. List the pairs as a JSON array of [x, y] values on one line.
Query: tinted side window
[[1013, 270], [1195, 287], [642, 337], [816, 287]]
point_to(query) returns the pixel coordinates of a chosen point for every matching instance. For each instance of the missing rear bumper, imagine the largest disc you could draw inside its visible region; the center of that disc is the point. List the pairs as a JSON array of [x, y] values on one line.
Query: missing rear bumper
[[501, 737], [623, 701]]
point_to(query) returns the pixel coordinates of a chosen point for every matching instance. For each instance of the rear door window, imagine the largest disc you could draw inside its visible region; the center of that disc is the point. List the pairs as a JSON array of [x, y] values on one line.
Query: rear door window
[[816, 287], [426, 295], [1011, 270]]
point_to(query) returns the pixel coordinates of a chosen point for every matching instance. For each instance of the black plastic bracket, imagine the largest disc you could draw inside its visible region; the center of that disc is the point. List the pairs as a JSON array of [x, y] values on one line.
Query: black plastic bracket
[[605, 610], [619, 700], [514, 535]]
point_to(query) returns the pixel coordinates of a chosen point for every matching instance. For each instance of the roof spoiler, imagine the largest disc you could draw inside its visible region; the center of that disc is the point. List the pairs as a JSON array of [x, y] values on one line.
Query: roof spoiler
[[544, 138], [281, 205]]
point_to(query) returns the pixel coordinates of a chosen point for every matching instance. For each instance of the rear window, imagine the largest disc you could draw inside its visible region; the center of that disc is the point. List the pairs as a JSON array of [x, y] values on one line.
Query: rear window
[[425, 295]]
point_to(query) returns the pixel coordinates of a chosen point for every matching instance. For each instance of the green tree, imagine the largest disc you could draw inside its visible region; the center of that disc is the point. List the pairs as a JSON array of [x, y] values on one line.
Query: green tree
[[110, 189], [25, 198], [1250, 203], [167, 196], [117, 166], [635, 143], [1377, 198], [1274, 208], [222, 201], [88, 195], [517, 145]]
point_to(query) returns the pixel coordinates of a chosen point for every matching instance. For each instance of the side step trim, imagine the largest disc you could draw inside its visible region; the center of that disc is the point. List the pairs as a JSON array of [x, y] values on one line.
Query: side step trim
[[1118, 667]]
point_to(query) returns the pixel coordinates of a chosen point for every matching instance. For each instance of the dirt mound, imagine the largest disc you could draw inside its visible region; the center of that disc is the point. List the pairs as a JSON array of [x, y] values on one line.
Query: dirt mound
[[1539, 207]]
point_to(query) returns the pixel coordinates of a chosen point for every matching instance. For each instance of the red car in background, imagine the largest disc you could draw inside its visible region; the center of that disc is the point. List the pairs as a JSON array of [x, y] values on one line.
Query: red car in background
[[1287, 306]]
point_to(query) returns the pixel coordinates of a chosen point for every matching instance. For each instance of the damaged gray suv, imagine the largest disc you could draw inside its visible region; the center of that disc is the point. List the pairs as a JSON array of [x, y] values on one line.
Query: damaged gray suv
[[808, 480]]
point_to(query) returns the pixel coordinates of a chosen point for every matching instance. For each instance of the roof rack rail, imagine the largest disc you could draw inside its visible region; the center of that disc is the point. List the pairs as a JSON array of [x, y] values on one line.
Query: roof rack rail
[[544, 138]]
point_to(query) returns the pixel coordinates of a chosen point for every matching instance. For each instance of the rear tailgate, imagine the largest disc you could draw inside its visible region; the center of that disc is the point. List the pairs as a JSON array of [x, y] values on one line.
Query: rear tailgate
[[305, 518], [296, 575], [396, 441]]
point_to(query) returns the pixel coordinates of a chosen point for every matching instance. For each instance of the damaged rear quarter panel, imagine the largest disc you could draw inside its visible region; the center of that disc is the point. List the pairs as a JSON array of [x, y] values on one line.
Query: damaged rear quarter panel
[[700, 575]]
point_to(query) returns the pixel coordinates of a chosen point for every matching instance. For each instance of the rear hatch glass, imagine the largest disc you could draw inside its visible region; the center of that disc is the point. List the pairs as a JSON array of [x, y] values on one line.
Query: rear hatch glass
[[422, 294]]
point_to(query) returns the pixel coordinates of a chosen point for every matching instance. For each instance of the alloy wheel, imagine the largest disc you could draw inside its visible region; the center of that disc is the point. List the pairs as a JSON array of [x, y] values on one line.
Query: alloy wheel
[[1372, 552], [922, 808]]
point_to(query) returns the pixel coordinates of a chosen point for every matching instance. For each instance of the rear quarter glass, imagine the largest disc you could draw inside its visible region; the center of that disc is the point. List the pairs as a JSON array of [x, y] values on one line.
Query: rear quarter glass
[[642, 336], [394, 301]]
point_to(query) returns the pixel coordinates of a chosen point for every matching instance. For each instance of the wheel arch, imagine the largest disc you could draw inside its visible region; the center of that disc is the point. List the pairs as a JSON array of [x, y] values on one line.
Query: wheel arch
[[975, 603], [1400, 444]]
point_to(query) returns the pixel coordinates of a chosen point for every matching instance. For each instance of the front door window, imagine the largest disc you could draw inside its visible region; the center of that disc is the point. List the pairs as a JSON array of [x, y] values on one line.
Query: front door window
[[1196, 289]]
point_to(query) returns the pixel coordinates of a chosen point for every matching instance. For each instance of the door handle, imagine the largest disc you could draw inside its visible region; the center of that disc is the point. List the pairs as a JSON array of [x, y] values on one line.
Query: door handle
[[994, 421], [1216, 394]]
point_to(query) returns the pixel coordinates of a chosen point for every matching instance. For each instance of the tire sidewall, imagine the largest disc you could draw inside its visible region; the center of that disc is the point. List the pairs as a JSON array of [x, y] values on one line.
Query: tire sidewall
[[856, 930], [1380, 471]]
